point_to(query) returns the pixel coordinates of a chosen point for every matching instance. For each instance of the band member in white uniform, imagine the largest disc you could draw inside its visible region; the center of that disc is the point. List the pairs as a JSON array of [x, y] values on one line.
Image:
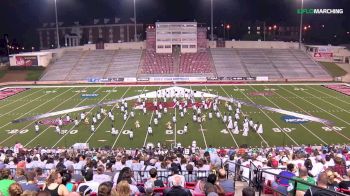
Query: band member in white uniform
[[260, 129], [210, 115], [185, 128], [150, 131], [235, 127], [155, 120], [36, 127]]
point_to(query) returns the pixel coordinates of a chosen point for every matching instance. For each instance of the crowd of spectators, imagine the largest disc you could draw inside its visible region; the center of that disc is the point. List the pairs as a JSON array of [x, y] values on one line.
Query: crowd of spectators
[[42, 171]]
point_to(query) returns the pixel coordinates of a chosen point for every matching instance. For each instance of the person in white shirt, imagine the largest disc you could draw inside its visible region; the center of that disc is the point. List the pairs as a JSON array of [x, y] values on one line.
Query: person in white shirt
[[93, 185], [100, 176]]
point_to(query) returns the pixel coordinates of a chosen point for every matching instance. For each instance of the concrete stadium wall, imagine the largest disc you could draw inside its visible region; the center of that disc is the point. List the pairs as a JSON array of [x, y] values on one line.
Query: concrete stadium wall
[[261, 44], [125, 45]]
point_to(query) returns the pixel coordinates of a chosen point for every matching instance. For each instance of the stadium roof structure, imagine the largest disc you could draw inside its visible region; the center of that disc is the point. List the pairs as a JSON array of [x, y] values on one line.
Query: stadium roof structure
[[178, 92]]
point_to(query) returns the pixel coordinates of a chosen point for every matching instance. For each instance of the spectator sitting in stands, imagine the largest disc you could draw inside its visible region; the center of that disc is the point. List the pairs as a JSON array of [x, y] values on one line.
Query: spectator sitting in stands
[[89, 182], [66, 180], [281, 183], [15, 189], [126, 174], [177, 189], [108, 170], [75, 177], [100, 176], [322, 184], [30, 184], [345, 183], [6, 181], [54, 185], [190, 177], [339, 166], [106, 189], [19, 176], [213, 186], [303, 176], [41, 178], [248, 191], [227, 184], [153, 181], [175, 172], [123, 188]]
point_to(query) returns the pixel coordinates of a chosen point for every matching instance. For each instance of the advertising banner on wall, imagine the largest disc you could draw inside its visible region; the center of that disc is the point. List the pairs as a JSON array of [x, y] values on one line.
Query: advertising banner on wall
[[26, 61], [323, 55]]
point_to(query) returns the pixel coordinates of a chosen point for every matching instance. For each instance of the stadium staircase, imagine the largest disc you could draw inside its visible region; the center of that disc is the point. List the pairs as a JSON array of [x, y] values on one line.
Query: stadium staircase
[[109, 65], [75, 65], [59, 69], [176, 63]]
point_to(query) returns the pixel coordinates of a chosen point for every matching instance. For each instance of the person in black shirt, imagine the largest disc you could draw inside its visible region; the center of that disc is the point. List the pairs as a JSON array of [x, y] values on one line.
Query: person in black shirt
[[322, 189]]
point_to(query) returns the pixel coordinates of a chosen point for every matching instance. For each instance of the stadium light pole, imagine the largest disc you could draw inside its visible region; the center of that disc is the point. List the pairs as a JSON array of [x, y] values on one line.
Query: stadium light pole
[[301, 24], [135, 35], [212, 18], [57, 35]]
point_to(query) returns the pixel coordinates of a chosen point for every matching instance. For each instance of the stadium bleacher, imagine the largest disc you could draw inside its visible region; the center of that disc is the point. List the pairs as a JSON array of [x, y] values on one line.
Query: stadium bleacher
[[156, 64], [274, 63], [199, 63], [81, 65]]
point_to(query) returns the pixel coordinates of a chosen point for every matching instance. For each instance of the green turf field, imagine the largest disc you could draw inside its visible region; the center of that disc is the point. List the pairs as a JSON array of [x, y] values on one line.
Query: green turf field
[[306, 99]]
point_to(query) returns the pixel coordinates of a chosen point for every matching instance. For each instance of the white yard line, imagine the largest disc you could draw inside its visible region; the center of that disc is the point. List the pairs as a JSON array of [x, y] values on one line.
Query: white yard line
[[299, 108], [331, 95], [175, 129], [320, 107], [80, 120], [205, 141], [322, 110], [20, 98], [121, 130], [271, 120], [105, 116], [138, 85], [327, 102], [42, 132], [29, 110], [261, 137], [33, 122], [16, 108], [233, 138], [150, 123]]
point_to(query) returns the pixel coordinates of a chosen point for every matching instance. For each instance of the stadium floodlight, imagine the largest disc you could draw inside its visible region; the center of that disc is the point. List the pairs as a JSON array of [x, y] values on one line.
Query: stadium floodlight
[[301, 24], [212, 18], [135, 35], [57, 35]]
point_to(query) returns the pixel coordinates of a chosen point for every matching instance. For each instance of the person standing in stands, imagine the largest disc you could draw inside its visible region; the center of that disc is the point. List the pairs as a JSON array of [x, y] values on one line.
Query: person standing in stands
[[54, 185]]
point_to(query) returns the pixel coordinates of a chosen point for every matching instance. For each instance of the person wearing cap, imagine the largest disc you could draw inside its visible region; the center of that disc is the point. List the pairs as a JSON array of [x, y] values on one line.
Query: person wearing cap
[[273, 164], [175, 173]]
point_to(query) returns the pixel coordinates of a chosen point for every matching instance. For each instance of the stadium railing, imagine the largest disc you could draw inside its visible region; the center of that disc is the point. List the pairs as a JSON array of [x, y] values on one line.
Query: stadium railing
[[268, 189]]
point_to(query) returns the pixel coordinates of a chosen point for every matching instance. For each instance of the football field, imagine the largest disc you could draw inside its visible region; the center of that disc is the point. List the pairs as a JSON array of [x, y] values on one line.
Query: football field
[[279, 129]]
